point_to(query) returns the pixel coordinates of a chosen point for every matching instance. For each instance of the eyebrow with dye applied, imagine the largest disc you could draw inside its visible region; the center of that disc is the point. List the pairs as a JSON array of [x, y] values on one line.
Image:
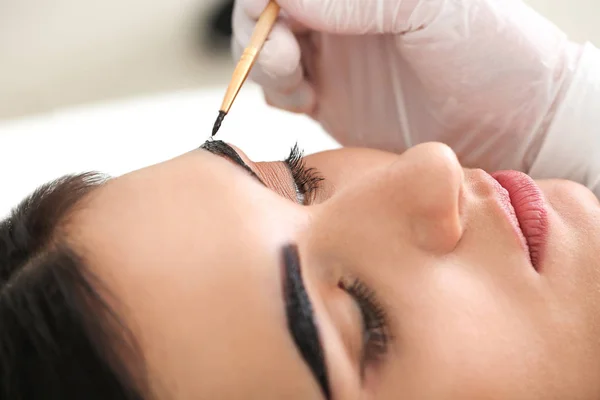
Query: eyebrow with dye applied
[[222, 149]]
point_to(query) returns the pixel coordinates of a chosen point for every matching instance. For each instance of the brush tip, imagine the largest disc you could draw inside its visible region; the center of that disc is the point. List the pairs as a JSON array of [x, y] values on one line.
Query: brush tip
[[218, 122]]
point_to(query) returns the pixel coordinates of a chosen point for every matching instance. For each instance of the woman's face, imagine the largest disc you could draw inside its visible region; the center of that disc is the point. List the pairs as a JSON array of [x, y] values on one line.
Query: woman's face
[[401, 276]]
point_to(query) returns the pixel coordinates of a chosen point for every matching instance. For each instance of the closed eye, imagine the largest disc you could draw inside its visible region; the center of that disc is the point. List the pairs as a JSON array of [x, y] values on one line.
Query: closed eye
[[305, 181]]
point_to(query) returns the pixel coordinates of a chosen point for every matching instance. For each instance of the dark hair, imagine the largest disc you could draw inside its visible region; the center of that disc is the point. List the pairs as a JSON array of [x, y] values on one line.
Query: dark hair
[[58, 337]]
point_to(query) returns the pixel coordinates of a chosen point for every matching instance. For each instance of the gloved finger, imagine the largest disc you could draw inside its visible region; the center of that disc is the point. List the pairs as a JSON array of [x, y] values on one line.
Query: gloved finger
[[254, 8], [278, 64], [302, 100], [271, 70], [292, 93], [295, 26], [353, 17]]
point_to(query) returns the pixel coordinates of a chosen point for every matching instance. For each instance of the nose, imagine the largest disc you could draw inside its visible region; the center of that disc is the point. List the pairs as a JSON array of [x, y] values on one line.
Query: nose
[[430, 197], [415, 196]]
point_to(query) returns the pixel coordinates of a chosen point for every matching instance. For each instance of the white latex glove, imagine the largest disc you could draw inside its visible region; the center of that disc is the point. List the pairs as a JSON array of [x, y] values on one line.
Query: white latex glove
[[484, 76]]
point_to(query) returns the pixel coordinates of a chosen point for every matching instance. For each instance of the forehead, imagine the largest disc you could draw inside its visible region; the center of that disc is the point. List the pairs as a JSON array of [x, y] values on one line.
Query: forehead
[[194, 183]]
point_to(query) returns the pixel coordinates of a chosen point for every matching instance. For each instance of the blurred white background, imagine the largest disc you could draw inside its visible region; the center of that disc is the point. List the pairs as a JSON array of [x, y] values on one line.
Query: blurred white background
[[114, 85], [64, 52]]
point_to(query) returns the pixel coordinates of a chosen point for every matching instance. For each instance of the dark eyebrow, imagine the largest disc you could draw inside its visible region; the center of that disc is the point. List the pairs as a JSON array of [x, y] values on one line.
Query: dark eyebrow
[[300, 318], [222, 149]]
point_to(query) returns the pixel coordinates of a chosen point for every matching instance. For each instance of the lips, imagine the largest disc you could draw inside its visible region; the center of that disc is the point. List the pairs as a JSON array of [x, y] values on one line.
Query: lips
[[530, 210]]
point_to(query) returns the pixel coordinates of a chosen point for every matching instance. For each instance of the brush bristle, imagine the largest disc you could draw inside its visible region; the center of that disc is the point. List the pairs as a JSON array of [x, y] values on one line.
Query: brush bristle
[[218, 122]]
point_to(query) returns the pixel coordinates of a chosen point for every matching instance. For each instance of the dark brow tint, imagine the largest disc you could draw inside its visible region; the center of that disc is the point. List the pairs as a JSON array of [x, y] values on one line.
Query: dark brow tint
[[300, 318], [222, 149]]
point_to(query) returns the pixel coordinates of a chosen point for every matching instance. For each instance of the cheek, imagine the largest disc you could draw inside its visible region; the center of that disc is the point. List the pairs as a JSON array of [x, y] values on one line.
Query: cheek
[[460, 337], [573, 202]]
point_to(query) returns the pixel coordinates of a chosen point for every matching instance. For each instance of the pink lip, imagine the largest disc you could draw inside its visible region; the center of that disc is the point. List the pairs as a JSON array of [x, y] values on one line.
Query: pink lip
[[528, 205]]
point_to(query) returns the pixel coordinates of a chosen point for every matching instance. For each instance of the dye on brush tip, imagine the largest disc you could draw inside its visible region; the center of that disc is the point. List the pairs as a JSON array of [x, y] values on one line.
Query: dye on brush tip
[[218, 123]]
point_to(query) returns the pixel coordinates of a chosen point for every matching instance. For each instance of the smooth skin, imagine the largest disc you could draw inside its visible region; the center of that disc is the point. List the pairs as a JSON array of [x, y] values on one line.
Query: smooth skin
[[190, 250]]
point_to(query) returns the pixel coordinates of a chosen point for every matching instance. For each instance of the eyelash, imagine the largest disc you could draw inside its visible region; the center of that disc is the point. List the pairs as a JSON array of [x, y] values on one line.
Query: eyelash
[[307, 180], [375, 325]]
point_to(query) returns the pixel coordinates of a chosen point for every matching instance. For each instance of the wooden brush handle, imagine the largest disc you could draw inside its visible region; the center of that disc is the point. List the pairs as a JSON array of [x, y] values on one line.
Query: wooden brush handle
[[259, 36]]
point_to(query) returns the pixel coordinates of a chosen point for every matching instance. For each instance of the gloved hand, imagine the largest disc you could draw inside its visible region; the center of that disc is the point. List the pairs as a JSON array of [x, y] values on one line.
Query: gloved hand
[[483, 76]]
